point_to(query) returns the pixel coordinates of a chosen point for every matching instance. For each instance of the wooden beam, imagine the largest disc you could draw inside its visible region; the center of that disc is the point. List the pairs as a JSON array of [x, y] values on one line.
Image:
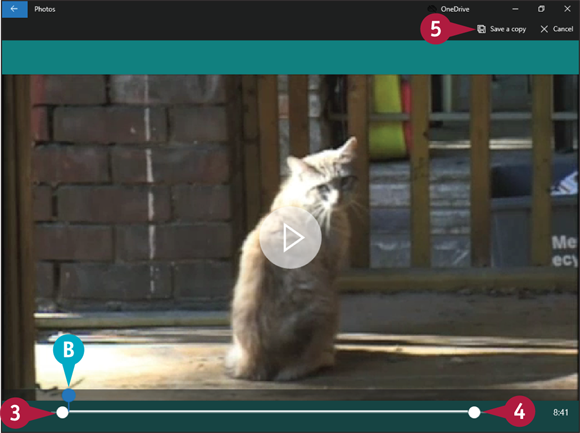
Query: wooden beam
[[269, 139], [234, 109], [567, 116], [420, 197], [544, 279], [358, 126], [542, 128], [439, 280], [251, 136], [11, 342], [19, 282], [141, 319], [27, 256], [480, 171], [298, 115]]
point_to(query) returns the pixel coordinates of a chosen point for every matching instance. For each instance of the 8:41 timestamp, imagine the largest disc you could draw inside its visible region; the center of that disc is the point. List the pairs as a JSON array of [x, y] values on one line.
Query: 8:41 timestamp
[[560, 412]]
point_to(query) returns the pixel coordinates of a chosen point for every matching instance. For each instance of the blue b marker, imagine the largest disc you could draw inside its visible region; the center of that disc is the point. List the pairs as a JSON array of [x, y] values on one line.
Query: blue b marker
[[68, 349], [68, 395]]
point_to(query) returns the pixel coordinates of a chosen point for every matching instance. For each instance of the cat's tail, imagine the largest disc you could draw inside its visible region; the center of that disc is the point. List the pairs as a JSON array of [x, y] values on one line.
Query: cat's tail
[[232, 359], [248, 358]]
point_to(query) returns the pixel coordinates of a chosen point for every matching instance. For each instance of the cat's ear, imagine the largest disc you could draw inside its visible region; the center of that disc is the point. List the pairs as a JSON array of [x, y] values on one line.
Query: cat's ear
[[348, 149], [297, 165]]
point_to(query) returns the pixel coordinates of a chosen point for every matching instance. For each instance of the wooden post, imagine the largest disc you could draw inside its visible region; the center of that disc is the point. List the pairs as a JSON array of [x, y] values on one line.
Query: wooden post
[[564, 100], [252, 175], [420, 197], [480, 171], [358, 126], [18, 282], [234, 107], [542, 128], [269, 138], [298, 115]]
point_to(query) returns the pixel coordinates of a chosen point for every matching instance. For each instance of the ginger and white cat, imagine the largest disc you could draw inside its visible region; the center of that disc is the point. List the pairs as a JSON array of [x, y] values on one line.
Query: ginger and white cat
[[285, 321]]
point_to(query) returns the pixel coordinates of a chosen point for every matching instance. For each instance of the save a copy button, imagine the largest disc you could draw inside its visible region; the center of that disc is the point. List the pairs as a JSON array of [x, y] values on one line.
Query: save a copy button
[[14, 9]]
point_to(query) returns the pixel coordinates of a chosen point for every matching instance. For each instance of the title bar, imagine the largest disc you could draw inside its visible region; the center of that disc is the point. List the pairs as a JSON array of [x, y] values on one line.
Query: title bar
[[301, 20]]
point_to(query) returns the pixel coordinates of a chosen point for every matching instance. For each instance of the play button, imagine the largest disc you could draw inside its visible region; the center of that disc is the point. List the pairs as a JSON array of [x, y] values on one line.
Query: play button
[[287, 228], [290, 237]]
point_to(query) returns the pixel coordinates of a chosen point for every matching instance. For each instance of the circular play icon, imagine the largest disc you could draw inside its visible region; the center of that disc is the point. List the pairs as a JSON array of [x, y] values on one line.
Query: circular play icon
[[290, 237]]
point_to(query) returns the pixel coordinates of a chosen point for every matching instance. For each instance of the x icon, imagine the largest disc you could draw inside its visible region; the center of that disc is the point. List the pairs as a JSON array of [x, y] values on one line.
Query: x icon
[[567, 9], [544, 29]]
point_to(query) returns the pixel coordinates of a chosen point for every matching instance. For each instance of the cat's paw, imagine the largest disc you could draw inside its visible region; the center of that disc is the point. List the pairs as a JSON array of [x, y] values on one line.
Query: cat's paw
[[327, 359], [290, 374]]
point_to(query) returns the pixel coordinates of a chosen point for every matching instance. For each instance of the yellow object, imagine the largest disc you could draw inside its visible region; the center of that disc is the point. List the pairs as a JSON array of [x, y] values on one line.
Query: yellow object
[[387, 139]]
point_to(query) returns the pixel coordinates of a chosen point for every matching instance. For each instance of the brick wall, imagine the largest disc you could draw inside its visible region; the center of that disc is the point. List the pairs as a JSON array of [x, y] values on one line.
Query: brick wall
[[133, 191]]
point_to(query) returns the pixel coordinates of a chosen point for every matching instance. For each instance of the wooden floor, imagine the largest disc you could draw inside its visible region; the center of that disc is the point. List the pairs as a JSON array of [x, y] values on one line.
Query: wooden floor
[[455, 342]]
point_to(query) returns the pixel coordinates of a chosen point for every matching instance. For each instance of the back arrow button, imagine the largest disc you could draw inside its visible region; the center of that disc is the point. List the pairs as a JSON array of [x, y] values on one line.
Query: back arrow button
[[14, 9]]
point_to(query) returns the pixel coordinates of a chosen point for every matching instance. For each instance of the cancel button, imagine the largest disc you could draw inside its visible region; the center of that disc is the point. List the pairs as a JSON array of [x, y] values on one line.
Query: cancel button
[[563, 29]]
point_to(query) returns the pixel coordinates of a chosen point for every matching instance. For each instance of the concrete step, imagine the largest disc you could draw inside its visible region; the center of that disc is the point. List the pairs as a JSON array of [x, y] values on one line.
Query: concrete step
[[454, 194], [390, 214], [398, 221], [394, 251], [449, 168]]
